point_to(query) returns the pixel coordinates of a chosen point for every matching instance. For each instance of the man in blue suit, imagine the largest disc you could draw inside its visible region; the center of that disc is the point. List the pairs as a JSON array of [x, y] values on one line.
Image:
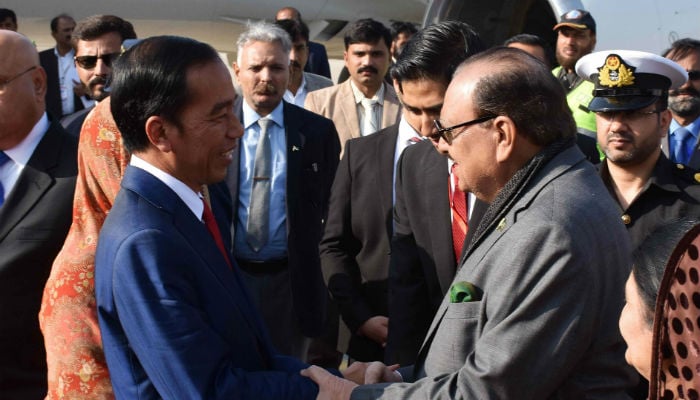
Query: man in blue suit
[[176, 318]]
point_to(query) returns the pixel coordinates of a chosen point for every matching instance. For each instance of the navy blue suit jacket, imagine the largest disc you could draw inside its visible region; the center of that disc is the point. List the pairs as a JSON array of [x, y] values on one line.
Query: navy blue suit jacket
[[176, 322]]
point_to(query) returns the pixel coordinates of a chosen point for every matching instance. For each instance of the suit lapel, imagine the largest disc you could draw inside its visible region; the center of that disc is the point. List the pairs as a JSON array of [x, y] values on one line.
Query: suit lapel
[[233, 170], [348, 109], [193, 230], [32, 183], [295, 147], [384, 154], [436, 183]]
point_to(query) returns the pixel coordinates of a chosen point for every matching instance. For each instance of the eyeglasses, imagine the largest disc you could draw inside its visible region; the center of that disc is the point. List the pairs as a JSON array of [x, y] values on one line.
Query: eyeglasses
[[446, 133], [627, 115], [693, 75], [3, 84], [89, 62]]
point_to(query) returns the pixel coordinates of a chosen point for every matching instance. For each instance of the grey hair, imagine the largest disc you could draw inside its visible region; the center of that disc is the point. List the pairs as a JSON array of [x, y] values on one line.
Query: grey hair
[[262, 31]]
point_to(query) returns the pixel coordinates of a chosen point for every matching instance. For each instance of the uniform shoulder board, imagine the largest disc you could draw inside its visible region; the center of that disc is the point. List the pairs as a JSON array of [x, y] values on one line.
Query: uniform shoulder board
[[688, 174]]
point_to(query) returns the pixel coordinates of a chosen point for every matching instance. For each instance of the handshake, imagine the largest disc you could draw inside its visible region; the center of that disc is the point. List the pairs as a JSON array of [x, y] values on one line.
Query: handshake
[[331, 387]]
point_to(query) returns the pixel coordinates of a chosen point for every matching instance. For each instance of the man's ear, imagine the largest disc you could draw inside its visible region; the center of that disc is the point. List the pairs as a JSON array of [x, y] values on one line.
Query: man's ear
[[505, 132], [157, 130]]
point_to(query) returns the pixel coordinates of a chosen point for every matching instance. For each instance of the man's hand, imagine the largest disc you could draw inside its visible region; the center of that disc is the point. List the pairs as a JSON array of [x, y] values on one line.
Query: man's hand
[[374, 372], [376, 328], [330, 387]]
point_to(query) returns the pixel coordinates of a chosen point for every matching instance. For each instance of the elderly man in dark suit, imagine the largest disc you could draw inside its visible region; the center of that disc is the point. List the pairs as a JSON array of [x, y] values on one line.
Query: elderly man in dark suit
[[278, 225], [532, 312], [38, 166], [355, 248]]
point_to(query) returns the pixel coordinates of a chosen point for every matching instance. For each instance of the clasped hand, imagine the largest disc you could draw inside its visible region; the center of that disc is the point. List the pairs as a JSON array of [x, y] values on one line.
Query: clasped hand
[[332, 387]]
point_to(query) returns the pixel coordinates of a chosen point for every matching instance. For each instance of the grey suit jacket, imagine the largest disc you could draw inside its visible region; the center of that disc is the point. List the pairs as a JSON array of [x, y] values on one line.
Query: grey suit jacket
[[552, 275], [34, 221], [338, 103]]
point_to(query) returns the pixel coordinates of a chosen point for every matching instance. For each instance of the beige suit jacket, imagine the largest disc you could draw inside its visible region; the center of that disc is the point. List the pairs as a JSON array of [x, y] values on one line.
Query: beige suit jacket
[[338, 103]]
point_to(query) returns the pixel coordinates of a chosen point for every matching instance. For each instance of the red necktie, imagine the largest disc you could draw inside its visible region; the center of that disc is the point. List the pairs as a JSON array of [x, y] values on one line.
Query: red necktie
[[458, 203], [213, 228]]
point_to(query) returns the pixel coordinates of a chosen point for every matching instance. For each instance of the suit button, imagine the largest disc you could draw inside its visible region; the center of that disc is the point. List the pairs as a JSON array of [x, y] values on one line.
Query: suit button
[[626, 219]]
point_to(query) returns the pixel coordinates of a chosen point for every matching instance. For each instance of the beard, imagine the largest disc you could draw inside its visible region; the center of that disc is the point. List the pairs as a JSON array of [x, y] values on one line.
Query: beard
[[687, 106]]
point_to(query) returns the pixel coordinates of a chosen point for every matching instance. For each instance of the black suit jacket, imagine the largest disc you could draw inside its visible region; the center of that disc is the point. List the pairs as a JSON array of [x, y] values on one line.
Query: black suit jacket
[[318, 60], [355, 245], [313, 149], [422, 259], [54, 105], [34, 222]]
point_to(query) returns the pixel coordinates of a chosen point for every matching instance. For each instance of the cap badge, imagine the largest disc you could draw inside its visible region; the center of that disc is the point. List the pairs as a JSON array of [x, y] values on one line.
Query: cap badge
[[616, 72], [573, 14]]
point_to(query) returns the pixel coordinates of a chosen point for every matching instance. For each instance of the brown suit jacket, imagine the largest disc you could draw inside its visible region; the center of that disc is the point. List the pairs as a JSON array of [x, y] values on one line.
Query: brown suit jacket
[[338, 103]]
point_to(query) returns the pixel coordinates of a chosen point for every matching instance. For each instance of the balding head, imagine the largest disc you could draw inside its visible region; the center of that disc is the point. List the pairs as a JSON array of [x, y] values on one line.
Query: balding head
[[288, 13], [22, 88]]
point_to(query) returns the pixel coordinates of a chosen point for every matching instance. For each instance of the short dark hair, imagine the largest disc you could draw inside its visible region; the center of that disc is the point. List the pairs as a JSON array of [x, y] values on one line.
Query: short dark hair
[[532, 40], [54, 21], [367, 30], [435, 52], [151, 79], [650, 258], [95, 26], [399, 27], [524, 89], [6, 13], [295, 29], [681, 48]]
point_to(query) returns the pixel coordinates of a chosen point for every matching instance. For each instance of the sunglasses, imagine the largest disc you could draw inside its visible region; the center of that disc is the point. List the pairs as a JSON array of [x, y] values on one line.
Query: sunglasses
[[446, 133], [693, 75], [89, 62]]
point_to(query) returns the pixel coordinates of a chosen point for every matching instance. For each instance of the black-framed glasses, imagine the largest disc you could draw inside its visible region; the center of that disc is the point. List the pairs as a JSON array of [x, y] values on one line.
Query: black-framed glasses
[[627, 115], [3, 84], [446, 133], [693, 75], [89, 62]]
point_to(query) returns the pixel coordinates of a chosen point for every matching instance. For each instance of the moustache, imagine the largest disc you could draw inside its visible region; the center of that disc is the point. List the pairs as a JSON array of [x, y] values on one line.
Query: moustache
[[266, 89], [368, 68], [619, 135], [98, 80], [687, 91]]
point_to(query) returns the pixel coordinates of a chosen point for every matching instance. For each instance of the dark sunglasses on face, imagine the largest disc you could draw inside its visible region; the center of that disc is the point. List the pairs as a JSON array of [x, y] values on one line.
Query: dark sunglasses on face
[[89, 62], [693, 75]]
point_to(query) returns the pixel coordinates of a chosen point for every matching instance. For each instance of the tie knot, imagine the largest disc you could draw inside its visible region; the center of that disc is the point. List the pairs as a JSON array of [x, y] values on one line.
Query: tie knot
[[264, 123], [368, 103], [3, 158], [414, 139]]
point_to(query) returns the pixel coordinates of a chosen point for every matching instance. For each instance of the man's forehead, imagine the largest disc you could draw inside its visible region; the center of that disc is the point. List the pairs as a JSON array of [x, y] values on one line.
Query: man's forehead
[[366, 46]]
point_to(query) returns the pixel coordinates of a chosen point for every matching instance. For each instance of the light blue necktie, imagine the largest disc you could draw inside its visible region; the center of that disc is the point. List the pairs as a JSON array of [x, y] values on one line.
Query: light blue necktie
[[3, 159], [681, 138]]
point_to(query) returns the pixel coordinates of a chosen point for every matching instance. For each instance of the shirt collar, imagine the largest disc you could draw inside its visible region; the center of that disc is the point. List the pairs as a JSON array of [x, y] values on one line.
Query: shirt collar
[[406, 131], [378, 97], [250, 116], [184, 192], [693, 127], [22, 152], [70, 54]]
